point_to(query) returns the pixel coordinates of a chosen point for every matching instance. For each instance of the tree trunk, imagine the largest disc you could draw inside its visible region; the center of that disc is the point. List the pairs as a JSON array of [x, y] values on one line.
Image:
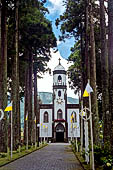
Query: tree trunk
[[15, 86], [17, 57], [110, 57], [1, 122], [36, 102], [105, 76], [26, 100], [87, 59], [93, 79], [0, 59], [87, 56], [30, 116], [3, 80], [28, 97]]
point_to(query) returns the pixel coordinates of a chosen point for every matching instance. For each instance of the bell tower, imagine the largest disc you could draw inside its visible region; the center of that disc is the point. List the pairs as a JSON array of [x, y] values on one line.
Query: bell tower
[[59, 103]]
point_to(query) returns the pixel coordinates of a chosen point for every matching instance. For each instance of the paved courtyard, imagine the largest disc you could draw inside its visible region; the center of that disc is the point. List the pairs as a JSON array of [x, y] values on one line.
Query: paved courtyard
[[57, 156]]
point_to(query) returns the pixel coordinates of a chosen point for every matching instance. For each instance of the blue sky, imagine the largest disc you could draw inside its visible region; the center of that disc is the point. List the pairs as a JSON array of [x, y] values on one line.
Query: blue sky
[[56, 8]]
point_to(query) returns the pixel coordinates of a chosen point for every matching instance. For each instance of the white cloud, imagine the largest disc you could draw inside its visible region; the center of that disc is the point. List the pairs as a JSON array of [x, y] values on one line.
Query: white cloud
[[57, 5], [46, 83]]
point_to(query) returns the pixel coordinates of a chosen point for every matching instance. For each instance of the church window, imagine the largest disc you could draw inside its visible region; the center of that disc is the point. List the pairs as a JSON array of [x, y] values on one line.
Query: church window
[[74, 117], [59, 79], [59, 114], [59, 93], [46, 117]]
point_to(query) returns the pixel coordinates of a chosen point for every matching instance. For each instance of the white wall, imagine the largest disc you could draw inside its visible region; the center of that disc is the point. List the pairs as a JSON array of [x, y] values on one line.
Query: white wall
[[58, 106], [73, 131], [45, 132]]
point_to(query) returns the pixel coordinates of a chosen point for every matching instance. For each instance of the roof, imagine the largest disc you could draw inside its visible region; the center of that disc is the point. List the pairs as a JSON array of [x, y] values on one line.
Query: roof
[[59, 66]]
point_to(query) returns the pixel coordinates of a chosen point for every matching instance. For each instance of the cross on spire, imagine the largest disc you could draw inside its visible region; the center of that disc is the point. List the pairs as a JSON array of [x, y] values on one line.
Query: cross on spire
[[59, 61]]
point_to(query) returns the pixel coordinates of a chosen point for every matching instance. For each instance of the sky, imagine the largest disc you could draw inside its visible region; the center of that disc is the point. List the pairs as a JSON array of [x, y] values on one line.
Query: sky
[[56, 8]]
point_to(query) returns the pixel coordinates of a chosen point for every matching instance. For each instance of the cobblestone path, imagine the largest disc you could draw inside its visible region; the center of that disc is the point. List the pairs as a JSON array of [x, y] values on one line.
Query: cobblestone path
[[52, 157]]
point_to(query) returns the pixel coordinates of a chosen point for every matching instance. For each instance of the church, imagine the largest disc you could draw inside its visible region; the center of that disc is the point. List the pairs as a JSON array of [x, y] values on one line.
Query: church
[[59, 121]]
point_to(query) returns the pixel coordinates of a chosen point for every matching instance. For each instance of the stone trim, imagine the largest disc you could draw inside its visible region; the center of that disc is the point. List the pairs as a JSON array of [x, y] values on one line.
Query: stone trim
[[59, 72], [59, 87], [46, 106], [59, 120], [73, 106]]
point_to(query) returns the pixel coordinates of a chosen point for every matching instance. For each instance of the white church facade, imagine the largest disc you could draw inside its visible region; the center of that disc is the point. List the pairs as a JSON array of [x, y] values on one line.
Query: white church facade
[[59, 121]]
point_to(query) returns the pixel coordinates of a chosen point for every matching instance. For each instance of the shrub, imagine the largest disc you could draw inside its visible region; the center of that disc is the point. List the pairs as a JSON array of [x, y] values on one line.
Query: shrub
[[3, 155], [103, 156]]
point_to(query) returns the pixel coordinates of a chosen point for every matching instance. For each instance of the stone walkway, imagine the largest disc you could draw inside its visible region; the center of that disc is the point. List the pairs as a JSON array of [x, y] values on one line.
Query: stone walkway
[[53, 157]]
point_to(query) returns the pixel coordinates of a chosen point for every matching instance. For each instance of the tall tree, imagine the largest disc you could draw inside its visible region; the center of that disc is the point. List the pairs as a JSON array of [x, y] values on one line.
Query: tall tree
[[15, 82], [30, 98], [39, 43], [75, 71], [110, 57], [78, 20], [17, 58], [36, 101], [3, 77], [0, 71], [105, 75], [93, 78], [87, 56], [0, 58]]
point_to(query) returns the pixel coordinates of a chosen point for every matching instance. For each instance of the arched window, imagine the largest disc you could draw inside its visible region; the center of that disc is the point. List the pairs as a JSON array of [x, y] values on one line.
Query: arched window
[[74, 117], [59, 114], [59, 93], [59, 79], [46, 117]]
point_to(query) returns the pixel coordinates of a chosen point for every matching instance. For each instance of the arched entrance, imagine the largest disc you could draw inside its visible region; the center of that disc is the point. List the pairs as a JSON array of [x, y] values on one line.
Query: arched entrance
[[59, 133]]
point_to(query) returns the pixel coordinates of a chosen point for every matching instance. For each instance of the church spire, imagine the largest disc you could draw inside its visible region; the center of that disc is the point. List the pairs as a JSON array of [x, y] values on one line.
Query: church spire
[[59, 61]]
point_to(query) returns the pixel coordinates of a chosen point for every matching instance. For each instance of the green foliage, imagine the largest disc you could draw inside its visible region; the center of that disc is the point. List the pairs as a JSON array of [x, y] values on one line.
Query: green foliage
[[73, 144], [3, 155], [83, 153], [74, 71], [36, 31], [35, 35], [71, 18], [103, 156], [73, 24]]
